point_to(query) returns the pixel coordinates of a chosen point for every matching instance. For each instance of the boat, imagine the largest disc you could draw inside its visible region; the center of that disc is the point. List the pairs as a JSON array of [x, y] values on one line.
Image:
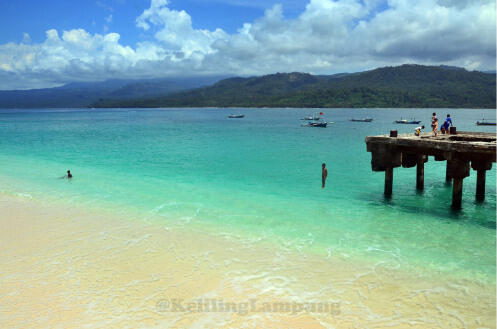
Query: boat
[[407, 122], [362, 120], [236, 116], [314, 117], [311, 118], [317, 124], [483, 122]]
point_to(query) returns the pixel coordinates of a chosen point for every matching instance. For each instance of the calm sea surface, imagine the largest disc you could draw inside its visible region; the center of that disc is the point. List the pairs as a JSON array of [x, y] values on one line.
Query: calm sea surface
[[259, 176]]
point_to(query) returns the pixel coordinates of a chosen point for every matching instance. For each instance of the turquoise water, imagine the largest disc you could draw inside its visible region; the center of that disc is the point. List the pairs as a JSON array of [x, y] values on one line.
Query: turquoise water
[[258, 176]]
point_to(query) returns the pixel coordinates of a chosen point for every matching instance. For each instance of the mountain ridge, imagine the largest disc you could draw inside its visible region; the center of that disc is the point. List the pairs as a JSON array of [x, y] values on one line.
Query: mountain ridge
[[83, 94], [408, 85]]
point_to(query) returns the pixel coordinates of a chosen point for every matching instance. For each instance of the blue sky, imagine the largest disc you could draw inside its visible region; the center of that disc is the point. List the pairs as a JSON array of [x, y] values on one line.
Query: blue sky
[[35, 17], [52, 42]]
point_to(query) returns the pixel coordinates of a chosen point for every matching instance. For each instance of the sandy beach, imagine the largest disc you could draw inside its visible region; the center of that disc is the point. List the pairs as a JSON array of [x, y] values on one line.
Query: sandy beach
[[64, 266], [303, 164]]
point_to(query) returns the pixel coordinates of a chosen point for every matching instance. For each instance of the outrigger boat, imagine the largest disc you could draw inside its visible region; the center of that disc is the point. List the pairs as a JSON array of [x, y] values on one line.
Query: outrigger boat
[[407, 122], [236, 116], [313, 117], [317, 124], [362, 120], [485, 123]]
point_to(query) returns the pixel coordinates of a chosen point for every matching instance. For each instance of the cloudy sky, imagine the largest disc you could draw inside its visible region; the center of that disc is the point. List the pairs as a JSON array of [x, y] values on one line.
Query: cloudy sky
[[52, 42]]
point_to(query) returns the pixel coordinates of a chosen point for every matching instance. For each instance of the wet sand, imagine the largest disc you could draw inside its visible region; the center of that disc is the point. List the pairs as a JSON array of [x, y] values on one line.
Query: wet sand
[[68, 267]]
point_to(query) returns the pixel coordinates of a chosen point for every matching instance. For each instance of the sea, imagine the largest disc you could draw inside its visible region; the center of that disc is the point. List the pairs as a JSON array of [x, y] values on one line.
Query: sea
[[258, 178]]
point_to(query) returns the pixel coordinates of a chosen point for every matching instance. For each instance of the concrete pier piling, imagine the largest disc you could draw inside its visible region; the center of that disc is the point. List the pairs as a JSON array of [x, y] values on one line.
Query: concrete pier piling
[[481, 168], [461, 150], [458, 169], [448, 179], [457, 193], [420, 172]]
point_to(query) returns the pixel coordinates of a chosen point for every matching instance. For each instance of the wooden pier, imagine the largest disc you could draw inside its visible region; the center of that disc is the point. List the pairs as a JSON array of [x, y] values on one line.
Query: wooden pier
[[461, 150]]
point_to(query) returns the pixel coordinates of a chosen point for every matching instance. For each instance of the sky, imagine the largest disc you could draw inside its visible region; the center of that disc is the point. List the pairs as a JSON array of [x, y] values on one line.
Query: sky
[[53, 42]]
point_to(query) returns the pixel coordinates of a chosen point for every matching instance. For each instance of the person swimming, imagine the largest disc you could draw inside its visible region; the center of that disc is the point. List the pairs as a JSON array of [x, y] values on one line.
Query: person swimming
[[68, 175]]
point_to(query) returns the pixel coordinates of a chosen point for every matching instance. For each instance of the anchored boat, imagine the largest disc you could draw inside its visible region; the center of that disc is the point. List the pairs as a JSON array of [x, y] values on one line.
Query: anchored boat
[[317, 124], [407, 122], [314, 117], [483, 122], [362, 120]]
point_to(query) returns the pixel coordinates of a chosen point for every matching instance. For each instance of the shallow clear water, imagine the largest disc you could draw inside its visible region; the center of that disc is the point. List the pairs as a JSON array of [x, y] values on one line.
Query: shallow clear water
[[258, 176]]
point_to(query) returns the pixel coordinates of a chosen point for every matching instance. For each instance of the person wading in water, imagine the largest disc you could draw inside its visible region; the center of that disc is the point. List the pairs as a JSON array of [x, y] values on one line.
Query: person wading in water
[[324, 174]]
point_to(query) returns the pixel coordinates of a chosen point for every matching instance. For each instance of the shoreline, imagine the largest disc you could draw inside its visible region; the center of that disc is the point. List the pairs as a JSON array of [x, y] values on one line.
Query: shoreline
[[299, 245], [101, 268]]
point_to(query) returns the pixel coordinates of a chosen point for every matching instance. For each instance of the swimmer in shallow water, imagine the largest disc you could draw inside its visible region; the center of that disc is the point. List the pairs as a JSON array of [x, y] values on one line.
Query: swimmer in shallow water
[[68, 176]]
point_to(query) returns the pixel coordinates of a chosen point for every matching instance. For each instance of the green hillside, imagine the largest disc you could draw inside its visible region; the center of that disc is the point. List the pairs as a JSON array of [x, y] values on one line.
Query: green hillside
[[403, 86]]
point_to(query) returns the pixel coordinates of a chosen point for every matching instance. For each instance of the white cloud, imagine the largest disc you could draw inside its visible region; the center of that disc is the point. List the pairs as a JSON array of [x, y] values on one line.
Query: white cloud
[[26, 38], [337, 36], [175, 31], [328, 36]]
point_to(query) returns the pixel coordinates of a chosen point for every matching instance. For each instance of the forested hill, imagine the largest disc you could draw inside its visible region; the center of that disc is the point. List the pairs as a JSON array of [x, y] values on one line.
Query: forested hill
[[413, 86]]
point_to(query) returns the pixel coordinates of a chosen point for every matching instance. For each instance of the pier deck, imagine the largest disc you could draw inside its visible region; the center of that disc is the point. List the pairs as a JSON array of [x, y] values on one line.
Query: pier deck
[[461, 151]]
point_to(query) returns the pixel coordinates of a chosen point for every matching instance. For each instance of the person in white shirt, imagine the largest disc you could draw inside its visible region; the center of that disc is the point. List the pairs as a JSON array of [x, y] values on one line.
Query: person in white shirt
[[417, 131]]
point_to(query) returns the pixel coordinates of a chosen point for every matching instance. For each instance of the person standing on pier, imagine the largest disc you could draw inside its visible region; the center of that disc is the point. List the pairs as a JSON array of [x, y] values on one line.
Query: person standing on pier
[[447, 123], [434, 124], [324, 174]]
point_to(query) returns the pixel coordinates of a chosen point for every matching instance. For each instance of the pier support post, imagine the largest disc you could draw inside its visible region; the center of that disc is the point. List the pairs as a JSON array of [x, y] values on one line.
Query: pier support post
[[480, 185], [420, 172], [448, 178], [481, 168], [385, 158], [388, 181], [459, 169], [457, 193]]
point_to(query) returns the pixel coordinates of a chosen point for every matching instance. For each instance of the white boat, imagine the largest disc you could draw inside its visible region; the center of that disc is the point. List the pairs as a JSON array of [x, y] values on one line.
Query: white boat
[[316, 124], [407, 122], [314, 117]]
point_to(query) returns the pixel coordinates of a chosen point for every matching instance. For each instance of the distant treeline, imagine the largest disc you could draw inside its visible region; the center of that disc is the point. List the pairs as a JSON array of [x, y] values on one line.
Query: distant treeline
[[406, 86]]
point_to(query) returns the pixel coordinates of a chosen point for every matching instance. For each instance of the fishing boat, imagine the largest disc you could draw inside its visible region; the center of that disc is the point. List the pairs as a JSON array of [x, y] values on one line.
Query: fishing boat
[[236, 116], [407, 122], [362, 120], [483, 122], [314, 117], [317, 124]]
